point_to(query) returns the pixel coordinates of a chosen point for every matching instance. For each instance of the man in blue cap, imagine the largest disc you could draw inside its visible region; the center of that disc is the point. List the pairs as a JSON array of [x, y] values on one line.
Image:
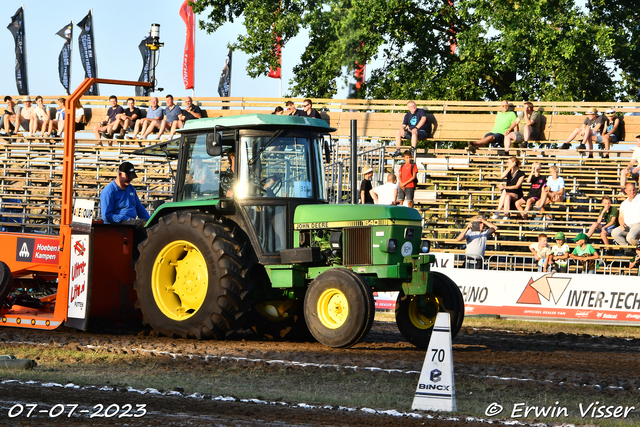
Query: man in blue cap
[[119, 201]]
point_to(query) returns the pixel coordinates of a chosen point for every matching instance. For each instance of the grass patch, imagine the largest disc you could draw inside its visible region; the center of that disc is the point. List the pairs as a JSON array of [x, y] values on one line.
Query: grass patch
[[493, 322]]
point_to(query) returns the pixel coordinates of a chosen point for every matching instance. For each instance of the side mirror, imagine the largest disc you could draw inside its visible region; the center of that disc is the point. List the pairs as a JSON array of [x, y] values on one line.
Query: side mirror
[[214, 144]]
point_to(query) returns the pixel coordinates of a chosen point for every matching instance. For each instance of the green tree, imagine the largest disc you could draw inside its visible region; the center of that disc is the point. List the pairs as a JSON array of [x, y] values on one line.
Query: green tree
[[623, 16], [509, 49]]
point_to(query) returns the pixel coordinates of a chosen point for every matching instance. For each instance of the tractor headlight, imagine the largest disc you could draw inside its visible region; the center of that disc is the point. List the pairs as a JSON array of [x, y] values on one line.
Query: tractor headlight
[[392, 245], [425, 246]]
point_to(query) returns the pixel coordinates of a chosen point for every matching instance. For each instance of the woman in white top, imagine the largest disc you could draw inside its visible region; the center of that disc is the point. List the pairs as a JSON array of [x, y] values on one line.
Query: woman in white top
[[40, 118], [553, 191]]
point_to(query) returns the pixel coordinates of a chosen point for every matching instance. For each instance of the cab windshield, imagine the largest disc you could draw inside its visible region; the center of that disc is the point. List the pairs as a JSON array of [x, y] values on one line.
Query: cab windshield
[[279, 166]]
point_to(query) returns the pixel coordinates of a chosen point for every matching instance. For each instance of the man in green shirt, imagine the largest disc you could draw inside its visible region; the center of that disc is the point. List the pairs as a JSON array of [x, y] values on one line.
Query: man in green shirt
[[505, 123]]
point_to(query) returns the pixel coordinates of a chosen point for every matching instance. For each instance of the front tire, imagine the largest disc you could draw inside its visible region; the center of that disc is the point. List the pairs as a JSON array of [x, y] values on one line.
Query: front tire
[[191, 277], [416, 314], [339, 308]]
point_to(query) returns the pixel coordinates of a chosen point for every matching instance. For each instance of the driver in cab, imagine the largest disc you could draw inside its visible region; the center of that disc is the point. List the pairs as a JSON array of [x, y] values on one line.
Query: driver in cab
[[200, 175], [227, 178]]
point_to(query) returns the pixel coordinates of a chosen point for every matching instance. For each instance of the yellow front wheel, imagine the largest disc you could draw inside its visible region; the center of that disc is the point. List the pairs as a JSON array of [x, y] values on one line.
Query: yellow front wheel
[[339, 308]]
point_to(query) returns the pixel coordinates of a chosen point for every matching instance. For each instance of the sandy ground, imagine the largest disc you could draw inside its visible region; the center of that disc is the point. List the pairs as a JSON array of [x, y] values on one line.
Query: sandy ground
[[598, 366]]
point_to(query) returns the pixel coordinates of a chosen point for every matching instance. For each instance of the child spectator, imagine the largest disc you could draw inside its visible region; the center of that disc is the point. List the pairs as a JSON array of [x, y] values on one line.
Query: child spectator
[[611, 132], [585, 253], [606, 222], [512, 189], [553, 191], [475, 235], [535, 192], [408, 174], [541, 251], [558, 255]]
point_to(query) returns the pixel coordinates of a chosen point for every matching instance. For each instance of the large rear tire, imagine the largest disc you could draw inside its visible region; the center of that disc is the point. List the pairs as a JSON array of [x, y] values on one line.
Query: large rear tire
[[339, 308], [192, 277], [277, 317], [416, 314]]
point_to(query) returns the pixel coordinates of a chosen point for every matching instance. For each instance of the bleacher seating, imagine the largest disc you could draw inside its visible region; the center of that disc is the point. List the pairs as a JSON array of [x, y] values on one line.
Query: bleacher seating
[[458, 186]]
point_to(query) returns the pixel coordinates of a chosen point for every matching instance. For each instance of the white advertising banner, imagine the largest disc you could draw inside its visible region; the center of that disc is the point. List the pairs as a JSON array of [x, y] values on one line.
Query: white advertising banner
[[605, 298], [78, 281]]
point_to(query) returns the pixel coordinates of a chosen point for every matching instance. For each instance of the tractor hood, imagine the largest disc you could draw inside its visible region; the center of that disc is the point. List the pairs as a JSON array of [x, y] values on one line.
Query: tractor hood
[[323, 216]]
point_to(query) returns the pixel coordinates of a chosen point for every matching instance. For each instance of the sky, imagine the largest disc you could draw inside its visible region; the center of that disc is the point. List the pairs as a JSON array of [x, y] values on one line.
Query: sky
[[119, 26]]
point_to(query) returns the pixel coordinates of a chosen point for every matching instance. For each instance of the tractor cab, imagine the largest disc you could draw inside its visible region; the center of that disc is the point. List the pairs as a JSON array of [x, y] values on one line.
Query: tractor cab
[[257, 168]]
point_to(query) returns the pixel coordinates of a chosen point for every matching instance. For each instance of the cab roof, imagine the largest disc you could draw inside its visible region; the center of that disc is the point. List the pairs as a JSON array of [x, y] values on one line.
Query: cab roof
[[258, 121]]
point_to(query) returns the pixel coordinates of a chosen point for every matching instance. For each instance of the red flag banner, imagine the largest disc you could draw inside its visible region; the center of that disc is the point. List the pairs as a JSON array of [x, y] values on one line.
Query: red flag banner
[[277, 73], [359, 75], [189, 46]]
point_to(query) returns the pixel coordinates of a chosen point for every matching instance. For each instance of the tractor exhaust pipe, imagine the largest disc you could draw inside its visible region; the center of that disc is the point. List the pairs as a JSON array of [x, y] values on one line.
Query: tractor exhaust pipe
[[354, 162]]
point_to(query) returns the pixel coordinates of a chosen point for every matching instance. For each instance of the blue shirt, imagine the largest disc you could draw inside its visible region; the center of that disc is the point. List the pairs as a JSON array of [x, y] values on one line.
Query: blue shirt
[[172, 115], [158, 113], [120, 205]]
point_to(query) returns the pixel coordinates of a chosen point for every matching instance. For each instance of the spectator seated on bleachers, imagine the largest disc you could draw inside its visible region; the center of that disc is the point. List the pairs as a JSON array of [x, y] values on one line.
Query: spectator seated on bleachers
[[631, 169], [505, 122], [607, 221], [528, 128], [511, 190], [552, 192]]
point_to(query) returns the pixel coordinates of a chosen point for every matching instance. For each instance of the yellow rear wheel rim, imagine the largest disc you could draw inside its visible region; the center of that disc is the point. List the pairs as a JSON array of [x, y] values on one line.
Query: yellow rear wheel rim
[[179, 280], [333, 308]]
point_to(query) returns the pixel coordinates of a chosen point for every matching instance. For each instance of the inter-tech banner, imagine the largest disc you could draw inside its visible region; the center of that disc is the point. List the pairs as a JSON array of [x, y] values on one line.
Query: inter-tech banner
[[601, 297], [17, 30], [86, 45]]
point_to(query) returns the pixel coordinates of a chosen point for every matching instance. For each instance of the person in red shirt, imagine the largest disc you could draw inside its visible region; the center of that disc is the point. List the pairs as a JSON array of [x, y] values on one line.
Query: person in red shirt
[[408, 179]]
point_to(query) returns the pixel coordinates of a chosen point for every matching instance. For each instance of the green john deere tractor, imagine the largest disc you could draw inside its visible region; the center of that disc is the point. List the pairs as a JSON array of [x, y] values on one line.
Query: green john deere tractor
[[251, 242]]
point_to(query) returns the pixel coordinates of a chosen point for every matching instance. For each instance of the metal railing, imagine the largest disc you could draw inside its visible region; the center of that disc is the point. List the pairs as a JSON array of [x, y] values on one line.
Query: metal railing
[[523, 263], [336, 176]]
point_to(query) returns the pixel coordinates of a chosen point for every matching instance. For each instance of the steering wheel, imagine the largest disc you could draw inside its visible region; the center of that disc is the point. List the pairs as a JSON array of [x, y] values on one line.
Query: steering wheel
[[277, 184]]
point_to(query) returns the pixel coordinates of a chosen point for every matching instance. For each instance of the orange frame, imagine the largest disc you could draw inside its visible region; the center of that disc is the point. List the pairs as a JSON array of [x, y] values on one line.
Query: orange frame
[[33, 318]]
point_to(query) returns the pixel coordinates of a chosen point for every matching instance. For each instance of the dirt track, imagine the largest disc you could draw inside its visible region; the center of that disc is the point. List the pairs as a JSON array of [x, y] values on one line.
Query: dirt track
[[597, 367]]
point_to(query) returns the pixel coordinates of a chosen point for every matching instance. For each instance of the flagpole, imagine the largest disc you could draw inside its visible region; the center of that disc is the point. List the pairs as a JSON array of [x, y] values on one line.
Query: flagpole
[[24, 51], [93, 50], [193, 89], [70, 59]]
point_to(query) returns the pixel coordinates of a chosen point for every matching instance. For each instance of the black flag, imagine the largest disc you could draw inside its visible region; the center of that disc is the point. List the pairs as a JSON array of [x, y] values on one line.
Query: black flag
[[87, 51], [17, 29], [64, 59], [224, 87], [145, 51]]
